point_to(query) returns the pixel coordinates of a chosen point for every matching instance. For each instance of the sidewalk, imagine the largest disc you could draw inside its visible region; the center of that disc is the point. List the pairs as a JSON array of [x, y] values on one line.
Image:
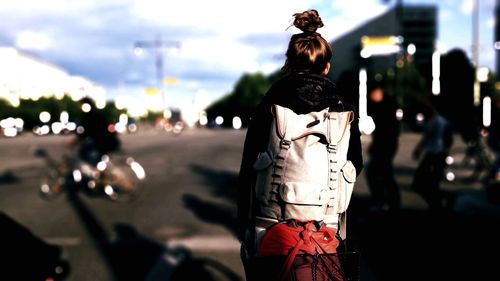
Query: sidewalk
[[417, 244]]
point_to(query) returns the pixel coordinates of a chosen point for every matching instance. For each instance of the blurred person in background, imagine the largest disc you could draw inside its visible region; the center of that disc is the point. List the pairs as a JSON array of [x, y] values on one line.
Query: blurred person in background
[[456, 104], [457, 88], [383, 148], [486, 201], [94, 136], [348, 87], [494, 137], [435, 144]]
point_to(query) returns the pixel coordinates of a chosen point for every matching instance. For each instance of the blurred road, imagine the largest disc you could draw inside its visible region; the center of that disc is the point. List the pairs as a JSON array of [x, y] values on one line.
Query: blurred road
[[187, 207], [187, 200]]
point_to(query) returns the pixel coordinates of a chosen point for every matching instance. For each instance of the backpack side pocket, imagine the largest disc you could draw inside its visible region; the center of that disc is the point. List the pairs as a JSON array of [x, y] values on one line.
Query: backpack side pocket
[[346, 186]]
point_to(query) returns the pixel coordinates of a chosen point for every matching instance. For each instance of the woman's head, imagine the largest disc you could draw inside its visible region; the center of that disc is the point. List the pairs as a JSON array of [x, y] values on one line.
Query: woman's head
[[308, 51]]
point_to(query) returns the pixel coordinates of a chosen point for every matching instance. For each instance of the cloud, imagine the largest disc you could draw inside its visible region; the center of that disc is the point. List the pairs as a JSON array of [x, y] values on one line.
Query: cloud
[[57, 6], [221, 53], [32, 40], [490, 23], [445, 14], [228, 17], [220, 39], [347, 15], [467, 7]]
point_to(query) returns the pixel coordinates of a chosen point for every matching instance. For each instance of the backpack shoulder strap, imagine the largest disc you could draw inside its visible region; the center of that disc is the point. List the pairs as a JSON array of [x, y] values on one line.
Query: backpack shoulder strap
[[285, 143], [281, 120], [338, 122]]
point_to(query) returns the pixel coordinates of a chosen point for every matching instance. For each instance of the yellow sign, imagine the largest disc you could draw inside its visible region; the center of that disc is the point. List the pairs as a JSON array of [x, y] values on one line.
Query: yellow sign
[[367, 41], [151, 91], [169, 80]]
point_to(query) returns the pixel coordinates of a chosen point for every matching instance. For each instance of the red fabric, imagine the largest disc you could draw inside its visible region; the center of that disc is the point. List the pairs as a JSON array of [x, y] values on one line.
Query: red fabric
[[283, 239]]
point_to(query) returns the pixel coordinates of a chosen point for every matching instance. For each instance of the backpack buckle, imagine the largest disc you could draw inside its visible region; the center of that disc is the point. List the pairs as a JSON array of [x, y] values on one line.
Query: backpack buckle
[[285, 143], [331, 147]]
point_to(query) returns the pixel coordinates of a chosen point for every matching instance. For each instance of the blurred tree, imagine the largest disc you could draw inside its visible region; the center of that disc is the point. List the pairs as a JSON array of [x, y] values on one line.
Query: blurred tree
[[243, 100], [71, 107], [152, 116], [29, 110], [408, 86], [112, 112], [404, 81], [6, 110]]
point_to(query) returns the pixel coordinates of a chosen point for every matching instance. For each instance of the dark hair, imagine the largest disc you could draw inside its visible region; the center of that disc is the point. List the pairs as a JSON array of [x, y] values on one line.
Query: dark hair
[[307, 51]]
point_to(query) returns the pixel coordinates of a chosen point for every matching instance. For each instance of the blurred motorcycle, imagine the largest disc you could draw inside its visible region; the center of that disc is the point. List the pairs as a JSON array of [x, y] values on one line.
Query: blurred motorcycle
[[117, 177], [472, 163]]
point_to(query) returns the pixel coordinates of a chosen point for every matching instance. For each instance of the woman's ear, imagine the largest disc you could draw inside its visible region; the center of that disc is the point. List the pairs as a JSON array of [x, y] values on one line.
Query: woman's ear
[[326, 70]]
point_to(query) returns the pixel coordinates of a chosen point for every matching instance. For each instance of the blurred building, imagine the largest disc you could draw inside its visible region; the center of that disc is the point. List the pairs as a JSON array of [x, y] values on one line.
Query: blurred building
[[23, 76], [497, 37], [377, 44]]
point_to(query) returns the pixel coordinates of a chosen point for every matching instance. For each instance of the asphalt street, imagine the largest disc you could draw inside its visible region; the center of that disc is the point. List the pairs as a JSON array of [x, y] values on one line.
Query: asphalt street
[[186, 211]]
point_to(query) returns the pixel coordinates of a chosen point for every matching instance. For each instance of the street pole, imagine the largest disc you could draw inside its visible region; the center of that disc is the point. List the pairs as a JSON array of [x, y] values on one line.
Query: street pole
[[475, 52], [158, 45]]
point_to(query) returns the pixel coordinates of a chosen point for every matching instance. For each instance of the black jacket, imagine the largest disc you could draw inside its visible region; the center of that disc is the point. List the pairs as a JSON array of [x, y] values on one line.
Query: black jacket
[[95, 125], [385, 138], [302, 93]]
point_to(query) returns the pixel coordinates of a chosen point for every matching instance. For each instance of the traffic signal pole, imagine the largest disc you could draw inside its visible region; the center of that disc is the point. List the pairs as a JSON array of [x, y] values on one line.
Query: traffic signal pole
[[158, 45], [475, 52]]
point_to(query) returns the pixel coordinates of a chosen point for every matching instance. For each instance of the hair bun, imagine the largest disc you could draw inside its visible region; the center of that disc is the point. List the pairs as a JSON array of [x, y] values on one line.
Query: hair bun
[[308, 21]]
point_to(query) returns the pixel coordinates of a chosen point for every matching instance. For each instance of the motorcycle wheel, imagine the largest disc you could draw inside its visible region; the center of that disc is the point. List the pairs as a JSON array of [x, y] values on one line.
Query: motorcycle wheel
[[121, 181], [51, 184]]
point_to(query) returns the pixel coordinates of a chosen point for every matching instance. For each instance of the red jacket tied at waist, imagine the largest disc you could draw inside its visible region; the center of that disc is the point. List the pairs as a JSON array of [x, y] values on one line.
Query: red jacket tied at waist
[[297, 238]]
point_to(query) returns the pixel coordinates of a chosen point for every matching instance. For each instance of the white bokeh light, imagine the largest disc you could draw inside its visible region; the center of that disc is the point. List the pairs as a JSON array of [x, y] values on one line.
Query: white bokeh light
[[44, 116]]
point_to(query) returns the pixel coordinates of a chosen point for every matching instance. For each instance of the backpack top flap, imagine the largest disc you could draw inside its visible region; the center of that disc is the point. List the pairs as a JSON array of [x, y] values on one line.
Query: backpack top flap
[[293, 126]]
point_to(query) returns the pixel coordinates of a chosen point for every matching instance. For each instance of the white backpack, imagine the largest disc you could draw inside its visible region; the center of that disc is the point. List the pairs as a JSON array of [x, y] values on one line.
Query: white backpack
[[304, 174]]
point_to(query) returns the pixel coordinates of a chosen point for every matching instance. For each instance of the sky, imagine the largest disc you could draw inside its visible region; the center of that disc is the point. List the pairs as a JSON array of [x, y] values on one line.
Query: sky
[[208, 45]]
